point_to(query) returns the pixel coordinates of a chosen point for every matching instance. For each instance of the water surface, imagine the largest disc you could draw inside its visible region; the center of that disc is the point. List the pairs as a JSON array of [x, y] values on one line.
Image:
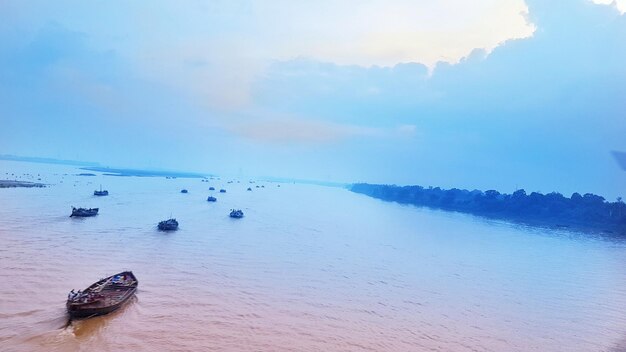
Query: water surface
[[309, 268]]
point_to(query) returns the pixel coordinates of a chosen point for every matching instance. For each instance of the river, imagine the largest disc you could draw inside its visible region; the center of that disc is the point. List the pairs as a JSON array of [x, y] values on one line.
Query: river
[[309, 268]]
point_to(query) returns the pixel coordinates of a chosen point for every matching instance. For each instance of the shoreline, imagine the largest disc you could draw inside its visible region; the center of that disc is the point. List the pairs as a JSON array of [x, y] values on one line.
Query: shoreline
[[24, 184], [588, 213]]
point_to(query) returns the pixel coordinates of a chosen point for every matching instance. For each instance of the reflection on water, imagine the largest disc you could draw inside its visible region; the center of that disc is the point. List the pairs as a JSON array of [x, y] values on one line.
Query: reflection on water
[[308, 269]]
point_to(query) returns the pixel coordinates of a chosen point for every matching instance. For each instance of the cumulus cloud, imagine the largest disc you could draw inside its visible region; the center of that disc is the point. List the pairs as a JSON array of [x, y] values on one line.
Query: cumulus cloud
[[407, 92], [549, 107]]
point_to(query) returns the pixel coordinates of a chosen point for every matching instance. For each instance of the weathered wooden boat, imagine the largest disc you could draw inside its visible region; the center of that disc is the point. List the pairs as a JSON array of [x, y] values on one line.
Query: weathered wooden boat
[[211, 188], [222, 190], [168, 225], [103, 296], [237, 214], [184, 191], [211, 199], [84, 212]]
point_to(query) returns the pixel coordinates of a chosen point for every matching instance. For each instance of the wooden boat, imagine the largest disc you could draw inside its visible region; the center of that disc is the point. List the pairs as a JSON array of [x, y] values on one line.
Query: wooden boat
[[84, 212], [222, 190], [103, 296], [101, 192], [237, 214], [211, 199], [211, 188], [168, 225], [184, 191]]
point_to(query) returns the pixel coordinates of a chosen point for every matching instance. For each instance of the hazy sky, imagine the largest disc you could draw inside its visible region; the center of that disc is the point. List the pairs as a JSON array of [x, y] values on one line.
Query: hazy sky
[[482, 94]]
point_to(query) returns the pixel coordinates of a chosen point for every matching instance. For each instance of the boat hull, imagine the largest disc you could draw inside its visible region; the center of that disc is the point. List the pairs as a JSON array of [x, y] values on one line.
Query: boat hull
[[109, 294], [74, 312], [83, 213]]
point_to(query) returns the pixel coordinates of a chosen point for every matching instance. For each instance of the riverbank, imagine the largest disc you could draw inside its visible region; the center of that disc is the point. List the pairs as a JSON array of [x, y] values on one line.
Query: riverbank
[[14, 184], [144, 173], [586, 213]]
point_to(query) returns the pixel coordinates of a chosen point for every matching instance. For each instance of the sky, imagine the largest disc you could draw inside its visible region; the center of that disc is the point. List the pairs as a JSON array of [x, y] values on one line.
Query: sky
[[488, 94]]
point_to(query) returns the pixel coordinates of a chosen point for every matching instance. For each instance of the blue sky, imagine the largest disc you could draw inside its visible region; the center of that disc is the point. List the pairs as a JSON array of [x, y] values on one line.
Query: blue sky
[[492, 94]]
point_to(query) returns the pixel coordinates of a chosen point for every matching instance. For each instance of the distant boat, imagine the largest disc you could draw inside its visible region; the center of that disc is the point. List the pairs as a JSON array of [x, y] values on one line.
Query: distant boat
[[237, 214], [184, 191], [168, 225], [101, 192], [257, 186], [103, 296], [249, 189], [84, 212], [211, 188], [211, 199], [222, 190]]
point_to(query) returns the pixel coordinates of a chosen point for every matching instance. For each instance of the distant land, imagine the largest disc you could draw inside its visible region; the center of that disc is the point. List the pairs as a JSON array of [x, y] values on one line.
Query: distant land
[[34, 159], [14, 184], [144, 173], [94, 166], [588, 212]]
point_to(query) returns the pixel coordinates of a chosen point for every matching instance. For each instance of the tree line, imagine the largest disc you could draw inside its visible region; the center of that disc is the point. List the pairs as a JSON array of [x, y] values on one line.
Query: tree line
[[587, 211]]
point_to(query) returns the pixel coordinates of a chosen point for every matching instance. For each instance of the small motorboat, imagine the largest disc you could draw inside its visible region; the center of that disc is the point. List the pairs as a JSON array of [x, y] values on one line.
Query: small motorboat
[[211, 188], [101, 192], [84, 212], [184, 191], [168, 225], [103, 296], [222, 190], [237, 214], [249, 189], [211, 199]]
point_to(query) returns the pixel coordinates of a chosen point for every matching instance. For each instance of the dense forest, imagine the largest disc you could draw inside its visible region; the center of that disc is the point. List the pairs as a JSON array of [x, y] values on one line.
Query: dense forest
[[588, 212]]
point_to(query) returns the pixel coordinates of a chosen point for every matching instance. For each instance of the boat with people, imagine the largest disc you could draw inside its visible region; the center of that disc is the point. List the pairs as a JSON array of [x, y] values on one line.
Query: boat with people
[[102, 297], [236, 213], [168, 225], [101, 192], [84, 212], [222, 190], [184, 191], [211, 199]]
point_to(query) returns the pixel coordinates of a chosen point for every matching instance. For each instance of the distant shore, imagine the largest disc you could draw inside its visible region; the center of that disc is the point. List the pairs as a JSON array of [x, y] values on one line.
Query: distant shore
[[144, 173], [586, 213], [14, 184]]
